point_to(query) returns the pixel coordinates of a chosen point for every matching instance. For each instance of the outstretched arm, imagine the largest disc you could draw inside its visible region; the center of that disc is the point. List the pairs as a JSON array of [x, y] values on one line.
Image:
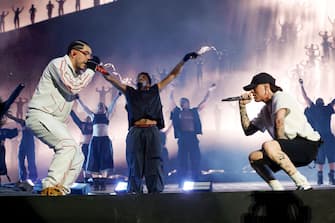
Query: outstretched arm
[[18, 120], [204, 100], [75, 118], [5, 105], [304, 94], [168, 129], [116, 82], [112, 105], [172, 100], [84, 107], [176, 70]]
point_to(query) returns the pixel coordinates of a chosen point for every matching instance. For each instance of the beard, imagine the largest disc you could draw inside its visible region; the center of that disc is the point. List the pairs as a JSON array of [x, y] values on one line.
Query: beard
[[141, 84]]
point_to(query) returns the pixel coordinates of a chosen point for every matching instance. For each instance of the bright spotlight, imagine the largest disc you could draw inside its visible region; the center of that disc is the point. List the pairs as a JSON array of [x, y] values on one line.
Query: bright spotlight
[[197, 186], [121, 187]]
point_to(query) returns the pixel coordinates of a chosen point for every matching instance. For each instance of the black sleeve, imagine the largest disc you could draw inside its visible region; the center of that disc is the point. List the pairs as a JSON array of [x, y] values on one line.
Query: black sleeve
[[5, 105]]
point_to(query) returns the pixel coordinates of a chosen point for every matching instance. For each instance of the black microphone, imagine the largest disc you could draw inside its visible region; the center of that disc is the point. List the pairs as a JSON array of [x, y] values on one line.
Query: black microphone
[[237, 98]]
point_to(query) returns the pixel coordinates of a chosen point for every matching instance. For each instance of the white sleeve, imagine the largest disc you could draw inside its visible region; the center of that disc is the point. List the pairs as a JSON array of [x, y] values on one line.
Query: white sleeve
[[64, 76]]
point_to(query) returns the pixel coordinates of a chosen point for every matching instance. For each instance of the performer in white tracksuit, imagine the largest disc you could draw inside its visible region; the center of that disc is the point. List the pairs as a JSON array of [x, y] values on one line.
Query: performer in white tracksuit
[[49, 108]]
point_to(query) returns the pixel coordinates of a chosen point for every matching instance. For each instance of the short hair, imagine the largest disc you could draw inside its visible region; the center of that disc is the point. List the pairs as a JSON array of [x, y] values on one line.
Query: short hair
[[77, 45], [145, 74], [184, 99]]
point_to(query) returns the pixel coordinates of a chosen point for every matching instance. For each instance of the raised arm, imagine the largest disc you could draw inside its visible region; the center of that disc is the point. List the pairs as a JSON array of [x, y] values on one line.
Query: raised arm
[[176, 70], [172, 99], [112, 105], [18, 120], [5, 105], [84, 107], [304, 94], [168, 128], [75, 118], [204, 100]]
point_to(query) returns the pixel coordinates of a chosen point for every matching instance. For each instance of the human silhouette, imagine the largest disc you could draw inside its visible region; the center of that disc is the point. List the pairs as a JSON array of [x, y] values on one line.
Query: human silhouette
[[77, 5], [102, 93], [19, 106], [32, 12], [17, 12], [5, 133], [2, 20], [100, 161], [187, 126], [50, 7], [26, 152], [5, 105], [60, 7], [86, 128], [326, 44], [319, 115], [313, 53]]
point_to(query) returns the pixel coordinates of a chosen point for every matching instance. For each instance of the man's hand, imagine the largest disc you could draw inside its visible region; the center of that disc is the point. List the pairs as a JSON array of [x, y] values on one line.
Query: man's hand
[[93, 63], [191, 55], [246, 99]]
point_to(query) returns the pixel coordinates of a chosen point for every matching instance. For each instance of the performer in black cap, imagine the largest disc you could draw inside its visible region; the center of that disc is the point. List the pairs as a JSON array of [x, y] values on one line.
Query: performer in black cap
[[294, 143]]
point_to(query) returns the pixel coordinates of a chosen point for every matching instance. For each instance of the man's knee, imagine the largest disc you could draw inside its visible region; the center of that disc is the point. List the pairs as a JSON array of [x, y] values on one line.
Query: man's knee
[[254, 156], [271, 147]]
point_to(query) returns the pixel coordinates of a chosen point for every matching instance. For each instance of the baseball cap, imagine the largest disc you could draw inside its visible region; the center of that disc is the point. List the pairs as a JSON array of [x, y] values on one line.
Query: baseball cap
[[260, 78]]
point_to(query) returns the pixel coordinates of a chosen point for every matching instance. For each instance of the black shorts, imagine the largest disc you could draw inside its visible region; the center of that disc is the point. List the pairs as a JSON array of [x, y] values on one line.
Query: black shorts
[[301, 152]]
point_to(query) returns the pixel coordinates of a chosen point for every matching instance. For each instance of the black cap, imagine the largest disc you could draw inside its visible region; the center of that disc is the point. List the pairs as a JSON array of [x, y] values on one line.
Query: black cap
[[261, 78]]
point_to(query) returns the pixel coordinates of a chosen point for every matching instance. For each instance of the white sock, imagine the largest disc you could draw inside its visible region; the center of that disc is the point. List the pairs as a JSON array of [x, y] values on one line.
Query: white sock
[[299, 179], [276, 185]]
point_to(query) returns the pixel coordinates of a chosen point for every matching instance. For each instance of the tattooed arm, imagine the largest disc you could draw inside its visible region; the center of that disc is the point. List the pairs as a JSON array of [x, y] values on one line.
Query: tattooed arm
[[247, 126]]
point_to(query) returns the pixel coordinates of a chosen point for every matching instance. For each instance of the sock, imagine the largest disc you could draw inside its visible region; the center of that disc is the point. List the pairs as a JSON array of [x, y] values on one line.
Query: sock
[[299, 179], [276, 185]]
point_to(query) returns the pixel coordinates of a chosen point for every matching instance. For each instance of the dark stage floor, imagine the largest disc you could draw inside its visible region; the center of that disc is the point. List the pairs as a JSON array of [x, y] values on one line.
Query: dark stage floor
[[236, 202]]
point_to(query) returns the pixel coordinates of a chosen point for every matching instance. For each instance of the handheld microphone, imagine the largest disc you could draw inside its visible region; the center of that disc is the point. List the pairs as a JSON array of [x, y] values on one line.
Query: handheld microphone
[[237, 98], [102, 70]]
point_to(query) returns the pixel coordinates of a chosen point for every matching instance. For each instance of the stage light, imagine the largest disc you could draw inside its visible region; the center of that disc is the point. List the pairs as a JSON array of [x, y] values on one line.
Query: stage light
[[197, 186], [80, 188], [121, 187]]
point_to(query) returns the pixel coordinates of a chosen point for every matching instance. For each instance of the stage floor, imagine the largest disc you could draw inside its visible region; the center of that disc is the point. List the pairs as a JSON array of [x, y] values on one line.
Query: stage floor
[[236, 202], [11, 189]]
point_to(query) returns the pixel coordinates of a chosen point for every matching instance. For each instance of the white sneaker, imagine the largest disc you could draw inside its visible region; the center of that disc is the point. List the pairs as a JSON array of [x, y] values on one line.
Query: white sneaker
[[301, 182]]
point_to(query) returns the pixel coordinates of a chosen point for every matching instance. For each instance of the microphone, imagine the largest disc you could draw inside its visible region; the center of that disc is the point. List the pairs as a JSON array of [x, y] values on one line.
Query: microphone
[[102, 70], [237, 98]]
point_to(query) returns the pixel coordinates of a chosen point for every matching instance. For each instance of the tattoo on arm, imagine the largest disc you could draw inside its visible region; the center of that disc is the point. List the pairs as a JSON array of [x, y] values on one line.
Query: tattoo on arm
[[245, 121], [281, 156]]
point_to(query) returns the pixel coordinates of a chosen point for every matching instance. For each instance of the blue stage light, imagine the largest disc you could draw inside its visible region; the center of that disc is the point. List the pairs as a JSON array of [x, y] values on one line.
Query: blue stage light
[[121, 187]]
